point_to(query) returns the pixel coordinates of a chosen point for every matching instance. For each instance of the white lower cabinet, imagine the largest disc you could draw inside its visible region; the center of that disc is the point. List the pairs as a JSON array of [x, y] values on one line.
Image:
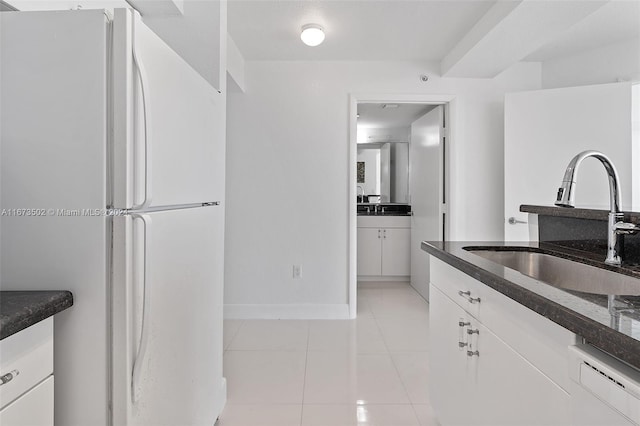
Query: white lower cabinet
[[26, 364], [31, 409], [369, 251], [477, 376], [384, 246]]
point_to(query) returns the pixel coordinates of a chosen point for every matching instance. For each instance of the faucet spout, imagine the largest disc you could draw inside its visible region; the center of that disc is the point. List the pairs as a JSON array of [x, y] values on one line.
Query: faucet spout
[[616, 225], [566, 192]]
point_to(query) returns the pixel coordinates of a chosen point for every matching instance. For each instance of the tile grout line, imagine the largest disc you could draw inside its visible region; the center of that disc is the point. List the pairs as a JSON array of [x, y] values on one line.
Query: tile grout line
[[306, 363], [404, 386], [242, 322], [395, 366]]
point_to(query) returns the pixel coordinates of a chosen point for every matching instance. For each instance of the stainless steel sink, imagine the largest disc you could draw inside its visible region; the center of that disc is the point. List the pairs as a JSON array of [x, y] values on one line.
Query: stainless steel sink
[[563, 273]]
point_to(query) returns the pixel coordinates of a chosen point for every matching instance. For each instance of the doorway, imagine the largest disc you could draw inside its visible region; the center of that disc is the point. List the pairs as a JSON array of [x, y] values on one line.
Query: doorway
[[425, 188]]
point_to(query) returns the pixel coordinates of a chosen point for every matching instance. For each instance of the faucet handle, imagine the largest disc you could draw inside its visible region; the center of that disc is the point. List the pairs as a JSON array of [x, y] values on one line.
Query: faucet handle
[[626, 228]]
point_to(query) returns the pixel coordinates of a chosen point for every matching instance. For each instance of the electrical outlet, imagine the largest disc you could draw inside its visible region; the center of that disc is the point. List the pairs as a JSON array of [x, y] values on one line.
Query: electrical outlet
[[297, 271]]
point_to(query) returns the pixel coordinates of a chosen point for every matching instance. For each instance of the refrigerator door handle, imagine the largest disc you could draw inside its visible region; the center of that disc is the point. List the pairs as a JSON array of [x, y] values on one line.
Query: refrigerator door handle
[[142, 75], [138, 362]]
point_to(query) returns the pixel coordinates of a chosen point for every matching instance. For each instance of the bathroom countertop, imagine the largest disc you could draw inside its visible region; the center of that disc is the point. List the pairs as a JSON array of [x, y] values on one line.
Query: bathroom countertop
[[21, 309], [391, 209], [384, 214], [582, 313]]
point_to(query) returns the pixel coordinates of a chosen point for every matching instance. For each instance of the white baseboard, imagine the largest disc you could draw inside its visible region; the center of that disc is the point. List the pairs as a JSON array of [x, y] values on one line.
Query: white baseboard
[[289, 311], [367, 278], [422, 289]]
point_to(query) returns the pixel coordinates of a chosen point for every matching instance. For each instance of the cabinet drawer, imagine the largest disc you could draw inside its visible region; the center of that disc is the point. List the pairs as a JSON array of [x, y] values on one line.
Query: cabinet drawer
[[384, 221], [458, 286], [537, 339], [35, 408], [30, 353]]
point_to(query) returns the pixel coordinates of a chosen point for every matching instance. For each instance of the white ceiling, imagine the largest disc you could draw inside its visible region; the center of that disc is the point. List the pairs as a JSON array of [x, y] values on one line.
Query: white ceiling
[[375, 116], [400, 29], [615, 21], [355, 30]]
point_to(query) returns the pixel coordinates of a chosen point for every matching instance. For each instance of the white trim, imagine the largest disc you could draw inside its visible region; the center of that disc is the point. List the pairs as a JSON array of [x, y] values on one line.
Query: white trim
[[380, 278], [352, 237], [288, 311]]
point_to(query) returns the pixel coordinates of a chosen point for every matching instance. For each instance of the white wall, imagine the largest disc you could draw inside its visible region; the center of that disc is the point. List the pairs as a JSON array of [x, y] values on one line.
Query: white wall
[[235, 66], [609, 64], [635, 143], [287, 172], [199, 36], [613, 63], [549, 127]]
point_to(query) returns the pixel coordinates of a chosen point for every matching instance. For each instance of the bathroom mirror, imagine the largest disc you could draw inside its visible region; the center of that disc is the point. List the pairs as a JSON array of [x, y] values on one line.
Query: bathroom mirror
[[383, 172]]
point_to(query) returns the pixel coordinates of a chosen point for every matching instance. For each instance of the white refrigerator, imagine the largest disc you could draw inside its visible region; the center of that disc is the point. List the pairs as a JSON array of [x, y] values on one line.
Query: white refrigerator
[[111, 186]]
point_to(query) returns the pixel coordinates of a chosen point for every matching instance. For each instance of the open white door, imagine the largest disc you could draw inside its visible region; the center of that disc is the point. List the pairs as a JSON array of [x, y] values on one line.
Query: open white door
[[427, 191], [544, 129]]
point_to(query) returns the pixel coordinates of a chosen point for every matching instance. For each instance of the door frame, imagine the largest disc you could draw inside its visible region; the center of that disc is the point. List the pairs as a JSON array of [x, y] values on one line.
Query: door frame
[[449, 102]]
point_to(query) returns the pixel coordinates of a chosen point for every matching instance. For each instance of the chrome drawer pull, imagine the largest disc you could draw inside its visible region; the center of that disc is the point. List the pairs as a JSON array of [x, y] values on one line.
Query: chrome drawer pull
[[472, 353], [467, 295], [463, 324], [462, 344], [473, 331], [8, 377]]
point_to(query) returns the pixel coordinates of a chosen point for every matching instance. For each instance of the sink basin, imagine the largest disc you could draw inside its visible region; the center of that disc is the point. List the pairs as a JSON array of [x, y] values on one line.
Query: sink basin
[[562, 273]]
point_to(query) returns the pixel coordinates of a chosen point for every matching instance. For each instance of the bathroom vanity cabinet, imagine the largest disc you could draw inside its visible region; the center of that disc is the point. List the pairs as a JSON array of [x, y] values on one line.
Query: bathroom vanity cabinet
[[384, 246]]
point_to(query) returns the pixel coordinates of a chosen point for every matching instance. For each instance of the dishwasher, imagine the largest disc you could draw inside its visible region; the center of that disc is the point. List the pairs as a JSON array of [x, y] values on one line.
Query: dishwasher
[[604, 390]]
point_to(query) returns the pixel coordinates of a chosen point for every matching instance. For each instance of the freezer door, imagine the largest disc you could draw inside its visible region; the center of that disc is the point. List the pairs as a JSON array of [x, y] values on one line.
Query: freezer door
[[168, 123], [167, 318]]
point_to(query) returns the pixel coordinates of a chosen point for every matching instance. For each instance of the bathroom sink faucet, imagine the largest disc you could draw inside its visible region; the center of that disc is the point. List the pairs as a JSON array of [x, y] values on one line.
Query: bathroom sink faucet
[[617, 227]]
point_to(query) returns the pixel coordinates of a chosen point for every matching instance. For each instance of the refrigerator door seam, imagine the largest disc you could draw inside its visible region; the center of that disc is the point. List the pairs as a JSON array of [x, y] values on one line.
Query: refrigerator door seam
[[109, 120]]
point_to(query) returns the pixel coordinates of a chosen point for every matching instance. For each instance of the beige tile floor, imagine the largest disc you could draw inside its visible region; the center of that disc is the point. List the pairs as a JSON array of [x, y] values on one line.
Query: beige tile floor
[[368, 371]]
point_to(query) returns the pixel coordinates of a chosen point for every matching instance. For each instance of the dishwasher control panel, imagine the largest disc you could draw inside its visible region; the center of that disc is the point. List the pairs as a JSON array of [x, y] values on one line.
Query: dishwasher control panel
[[608, 379]]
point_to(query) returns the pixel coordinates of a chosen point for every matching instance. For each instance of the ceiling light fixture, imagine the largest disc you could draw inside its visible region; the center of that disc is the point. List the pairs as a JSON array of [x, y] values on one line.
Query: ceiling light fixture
[[312, 34]]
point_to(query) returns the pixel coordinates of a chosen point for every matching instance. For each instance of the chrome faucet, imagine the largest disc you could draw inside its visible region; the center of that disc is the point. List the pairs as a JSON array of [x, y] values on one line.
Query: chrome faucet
[[617, 227]]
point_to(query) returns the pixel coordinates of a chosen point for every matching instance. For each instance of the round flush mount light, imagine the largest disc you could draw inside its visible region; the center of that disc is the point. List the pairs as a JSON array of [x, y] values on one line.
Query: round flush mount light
[[312, 34]]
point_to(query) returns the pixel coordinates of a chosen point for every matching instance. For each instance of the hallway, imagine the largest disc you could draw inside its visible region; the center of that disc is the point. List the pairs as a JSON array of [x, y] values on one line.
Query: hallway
[[368, 371]]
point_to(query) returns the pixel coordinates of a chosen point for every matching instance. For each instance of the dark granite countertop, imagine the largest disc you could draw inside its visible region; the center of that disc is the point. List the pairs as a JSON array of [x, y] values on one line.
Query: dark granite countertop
[[21, 309], [384, 214], [577, 213], [390, 209], [582, 313]]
